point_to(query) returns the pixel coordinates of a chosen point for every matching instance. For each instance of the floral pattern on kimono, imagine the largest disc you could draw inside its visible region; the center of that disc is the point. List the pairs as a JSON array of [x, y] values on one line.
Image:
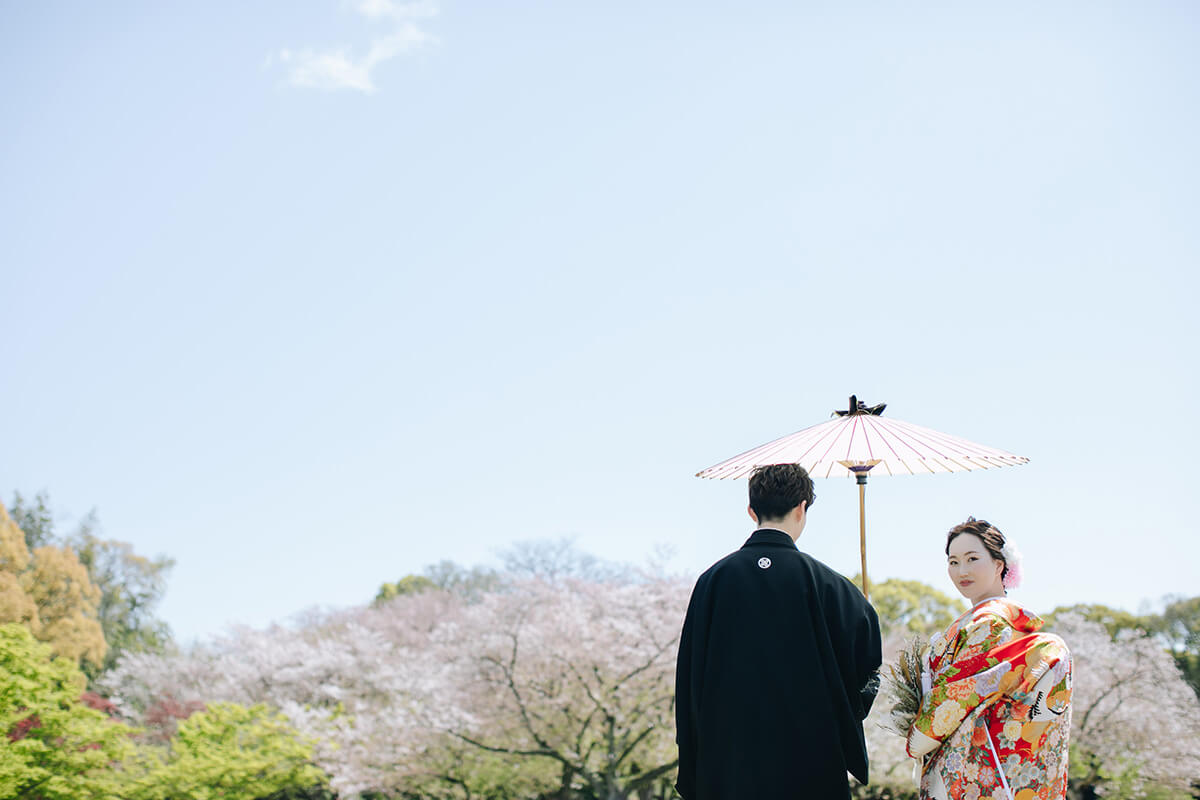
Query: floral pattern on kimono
[[1000, 691]]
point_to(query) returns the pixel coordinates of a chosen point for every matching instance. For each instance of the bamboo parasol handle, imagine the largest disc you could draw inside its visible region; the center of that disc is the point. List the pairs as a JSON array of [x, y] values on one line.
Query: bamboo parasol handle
[[862, 530]]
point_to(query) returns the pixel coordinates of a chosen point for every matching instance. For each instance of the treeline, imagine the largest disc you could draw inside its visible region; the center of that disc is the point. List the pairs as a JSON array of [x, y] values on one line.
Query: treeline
[[550, 678], [72, 607], [91, 599]]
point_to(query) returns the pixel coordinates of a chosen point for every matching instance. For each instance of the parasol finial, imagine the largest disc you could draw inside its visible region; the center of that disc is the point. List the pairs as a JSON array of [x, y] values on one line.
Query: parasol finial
[[859, 407]]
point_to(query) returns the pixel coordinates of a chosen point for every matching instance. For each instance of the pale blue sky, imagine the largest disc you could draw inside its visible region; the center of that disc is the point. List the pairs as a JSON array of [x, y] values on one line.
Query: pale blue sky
[[308, 296]]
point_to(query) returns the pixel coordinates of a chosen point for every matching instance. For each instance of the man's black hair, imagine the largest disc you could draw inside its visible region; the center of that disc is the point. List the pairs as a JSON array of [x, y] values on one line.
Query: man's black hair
[[778, 488]]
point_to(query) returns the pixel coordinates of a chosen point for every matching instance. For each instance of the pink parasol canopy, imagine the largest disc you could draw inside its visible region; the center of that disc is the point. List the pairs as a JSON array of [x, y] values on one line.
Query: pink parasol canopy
[[860, 440]]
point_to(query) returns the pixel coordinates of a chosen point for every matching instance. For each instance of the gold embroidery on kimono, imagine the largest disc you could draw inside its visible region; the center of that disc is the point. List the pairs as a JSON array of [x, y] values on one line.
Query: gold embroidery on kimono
[[996, 720]]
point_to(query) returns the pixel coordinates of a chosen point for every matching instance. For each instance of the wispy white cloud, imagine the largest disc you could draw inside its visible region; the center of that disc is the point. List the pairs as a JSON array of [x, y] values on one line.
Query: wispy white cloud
[[341, 68], [390, 9]]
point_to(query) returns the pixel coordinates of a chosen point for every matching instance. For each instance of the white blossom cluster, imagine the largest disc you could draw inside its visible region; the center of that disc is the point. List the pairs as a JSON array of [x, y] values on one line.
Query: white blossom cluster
[[1130, 706], [574, 678], [571, 682], [349, 681]]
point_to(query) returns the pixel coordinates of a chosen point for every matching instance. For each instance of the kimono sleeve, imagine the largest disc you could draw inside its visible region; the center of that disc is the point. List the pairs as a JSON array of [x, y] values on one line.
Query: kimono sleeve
[[959, 687]]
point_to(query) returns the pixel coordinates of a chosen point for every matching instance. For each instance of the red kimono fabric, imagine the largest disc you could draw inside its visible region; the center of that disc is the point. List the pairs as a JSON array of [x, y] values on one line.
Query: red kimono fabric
[[996, 721]]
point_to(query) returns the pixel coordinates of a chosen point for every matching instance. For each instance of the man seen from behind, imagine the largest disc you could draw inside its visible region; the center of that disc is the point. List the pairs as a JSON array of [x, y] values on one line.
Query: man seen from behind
[[777, 663]]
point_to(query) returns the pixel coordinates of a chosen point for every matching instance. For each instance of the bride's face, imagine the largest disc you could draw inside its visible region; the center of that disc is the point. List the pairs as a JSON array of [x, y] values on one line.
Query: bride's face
[[973, 570]]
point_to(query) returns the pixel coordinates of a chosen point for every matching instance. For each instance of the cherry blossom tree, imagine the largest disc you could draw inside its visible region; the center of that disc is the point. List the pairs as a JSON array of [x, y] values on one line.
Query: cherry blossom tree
[[575, 675], [346, 681], [1135, 721], [561, 689]]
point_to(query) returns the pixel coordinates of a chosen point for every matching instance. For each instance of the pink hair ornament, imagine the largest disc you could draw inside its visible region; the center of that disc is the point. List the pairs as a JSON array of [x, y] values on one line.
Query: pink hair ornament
[[1012, 560]]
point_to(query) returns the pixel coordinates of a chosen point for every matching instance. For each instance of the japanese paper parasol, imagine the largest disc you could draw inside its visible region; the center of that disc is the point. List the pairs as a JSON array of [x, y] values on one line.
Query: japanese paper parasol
[[860, 440]]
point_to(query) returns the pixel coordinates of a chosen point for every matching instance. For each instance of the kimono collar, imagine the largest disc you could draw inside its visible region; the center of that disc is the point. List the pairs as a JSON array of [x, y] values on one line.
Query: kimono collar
[[1019, 617], [770, 536]]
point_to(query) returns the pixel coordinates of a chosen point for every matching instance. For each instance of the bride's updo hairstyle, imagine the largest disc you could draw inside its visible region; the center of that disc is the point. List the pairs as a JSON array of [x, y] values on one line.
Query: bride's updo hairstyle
[[989, 534]]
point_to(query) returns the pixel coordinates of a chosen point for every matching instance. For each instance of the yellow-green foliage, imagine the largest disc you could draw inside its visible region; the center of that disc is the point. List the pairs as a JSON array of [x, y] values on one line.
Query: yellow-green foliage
[[66, 604], [52, 747], [229, 752], [409, 584], [15, 603], [49, 593]]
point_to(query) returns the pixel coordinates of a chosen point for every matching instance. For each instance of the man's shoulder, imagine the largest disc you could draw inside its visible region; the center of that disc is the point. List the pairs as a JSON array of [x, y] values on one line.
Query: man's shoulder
[[828, 573], [717, 568], [788, 558]]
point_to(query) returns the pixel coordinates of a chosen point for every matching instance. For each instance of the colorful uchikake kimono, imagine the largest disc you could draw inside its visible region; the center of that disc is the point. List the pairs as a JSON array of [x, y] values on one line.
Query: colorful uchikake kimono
[[999, 694]]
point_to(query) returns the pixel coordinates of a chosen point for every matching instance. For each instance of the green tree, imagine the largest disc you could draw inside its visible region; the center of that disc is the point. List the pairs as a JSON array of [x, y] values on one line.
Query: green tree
[[469, 583], [1114, 620], [229, 752], [409, 584], [129, 586], [1180, 628], [912, 608], [34, 518], [1177, 627], [54, 747], [49, 592]]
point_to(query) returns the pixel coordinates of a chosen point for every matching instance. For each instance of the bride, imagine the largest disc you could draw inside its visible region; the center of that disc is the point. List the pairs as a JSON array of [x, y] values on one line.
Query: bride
[[995, 716]]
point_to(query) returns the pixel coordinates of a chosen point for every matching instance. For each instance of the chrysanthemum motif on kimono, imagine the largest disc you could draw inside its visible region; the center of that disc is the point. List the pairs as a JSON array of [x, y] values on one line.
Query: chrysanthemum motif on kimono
[[947, 716], [996, 683], [977, 635], [989, 680]]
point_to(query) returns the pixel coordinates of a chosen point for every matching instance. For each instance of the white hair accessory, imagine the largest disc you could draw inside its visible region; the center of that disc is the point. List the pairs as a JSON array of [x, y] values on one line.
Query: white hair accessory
[[1012, 560]]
